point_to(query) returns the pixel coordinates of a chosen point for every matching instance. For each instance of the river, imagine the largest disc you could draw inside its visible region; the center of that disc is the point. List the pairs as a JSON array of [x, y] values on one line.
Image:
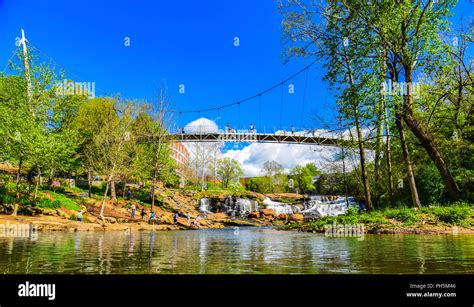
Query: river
[[234, 251]]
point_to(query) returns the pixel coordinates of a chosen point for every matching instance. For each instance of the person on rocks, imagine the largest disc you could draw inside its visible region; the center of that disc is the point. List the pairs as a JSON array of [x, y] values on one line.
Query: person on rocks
[[133, 211], [175, 217], [143, 213], [196, 221], [152, 218], [79, 216], [189, 218]]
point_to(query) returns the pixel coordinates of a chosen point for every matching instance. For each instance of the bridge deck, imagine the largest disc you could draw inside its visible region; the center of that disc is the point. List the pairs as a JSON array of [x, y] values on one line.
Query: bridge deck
[[259, 138]]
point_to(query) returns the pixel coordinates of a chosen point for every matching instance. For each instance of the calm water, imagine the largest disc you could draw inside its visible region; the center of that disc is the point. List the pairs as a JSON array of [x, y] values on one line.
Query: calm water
[[250, 250]]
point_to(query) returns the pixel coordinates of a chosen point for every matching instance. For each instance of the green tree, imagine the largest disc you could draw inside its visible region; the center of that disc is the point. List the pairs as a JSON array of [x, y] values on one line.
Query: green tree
[[303, 179], [228, 170], [274, 170]]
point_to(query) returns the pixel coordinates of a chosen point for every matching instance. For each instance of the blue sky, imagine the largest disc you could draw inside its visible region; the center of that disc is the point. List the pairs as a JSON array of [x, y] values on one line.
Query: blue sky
[[178, 42]]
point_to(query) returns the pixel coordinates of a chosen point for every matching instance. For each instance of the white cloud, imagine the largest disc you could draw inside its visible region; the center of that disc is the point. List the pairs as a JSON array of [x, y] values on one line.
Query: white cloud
[[253, 156], [200, 126]]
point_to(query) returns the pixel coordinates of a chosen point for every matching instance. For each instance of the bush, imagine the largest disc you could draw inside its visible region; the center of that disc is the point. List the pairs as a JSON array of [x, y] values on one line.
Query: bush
[[405, 215], [6, 199], [372, 218], [456, 214]]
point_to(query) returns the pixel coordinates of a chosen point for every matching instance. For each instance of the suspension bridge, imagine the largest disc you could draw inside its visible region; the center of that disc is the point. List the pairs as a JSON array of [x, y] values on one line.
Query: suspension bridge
[[209, 134]]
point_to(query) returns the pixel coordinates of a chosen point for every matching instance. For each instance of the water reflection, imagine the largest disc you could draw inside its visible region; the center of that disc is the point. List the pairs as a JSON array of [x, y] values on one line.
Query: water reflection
[[225, 251]]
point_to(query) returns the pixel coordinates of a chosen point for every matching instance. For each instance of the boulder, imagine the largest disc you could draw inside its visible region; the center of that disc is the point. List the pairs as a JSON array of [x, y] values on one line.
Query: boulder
[[48, 212], [254, 195], [297, 217], [90, 219], [254, 215], [268, 212], [282, 216], [166, 218], [183, 221], [110, 219]]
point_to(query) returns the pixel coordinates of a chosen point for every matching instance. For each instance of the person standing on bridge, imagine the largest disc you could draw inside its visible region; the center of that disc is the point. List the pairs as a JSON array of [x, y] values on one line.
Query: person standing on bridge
[[252, 128]]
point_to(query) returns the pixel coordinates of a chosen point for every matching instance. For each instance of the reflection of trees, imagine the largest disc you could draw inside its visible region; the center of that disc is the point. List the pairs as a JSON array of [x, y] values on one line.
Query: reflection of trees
[[223, 252]]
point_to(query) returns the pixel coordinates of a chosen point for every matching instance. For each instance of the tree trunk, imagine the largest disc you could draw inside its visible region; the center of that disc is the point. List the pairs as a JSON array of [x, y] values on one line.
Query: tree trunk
[[113, 192], [378, 150], [89, 181], [365, 180], [153, 181], [37, 184], [18, 177], [388, 157], [406, 157], [426, 140], [102, 207], [51, 176]]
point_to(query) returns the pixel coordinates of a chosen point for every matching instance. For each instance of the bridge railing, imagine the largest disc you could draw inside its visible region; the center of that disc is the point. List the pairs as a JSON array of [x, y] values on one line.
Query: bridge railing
[[267, 130]]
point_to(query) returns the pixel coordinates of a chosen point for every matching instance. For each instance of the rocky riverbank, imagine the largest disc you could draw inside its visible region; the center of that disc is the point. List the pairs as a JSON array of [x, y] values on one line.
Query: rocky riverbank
[[117, 214], [57, 223]]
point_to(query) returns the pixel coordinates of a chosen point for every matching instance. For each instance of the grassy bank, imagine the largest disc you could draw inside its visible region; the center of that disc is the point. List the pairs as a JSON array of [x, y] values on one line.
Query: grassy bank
[[397, 219]]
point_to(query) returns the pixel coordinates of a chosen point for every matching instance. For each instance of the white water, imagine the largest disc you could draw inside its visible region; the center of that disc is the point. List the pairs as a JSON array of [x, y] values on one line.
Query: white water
[[204, 205], [280, 208], [244, 206], [320, 206]]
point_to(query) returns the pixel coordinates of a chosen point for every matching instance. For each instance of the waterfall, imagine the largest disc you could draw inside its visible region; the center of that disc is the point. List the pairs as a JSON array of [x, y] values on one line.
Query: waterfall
[[204, 205], [280, 208], [243, 207], [320, 206], [240, 207]]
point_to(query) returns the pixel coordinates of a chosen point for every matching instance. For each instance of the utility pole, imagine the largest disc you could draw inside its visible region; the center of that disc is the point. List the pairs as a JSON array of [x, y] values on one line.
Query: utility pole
[[27, 65]]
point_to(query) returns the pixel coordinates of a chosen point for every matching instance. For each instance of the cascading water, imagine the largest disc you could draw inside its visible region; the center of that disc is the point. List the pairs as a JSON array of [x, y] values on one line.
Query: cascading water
[[240, 207], [280, 208], [204, 205], [321, 206]]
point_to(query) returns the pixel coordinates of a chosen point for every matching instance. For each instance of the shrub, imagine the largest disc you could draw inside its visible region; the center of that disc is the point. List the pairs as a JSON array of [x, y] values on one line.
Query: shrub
[[372, 218], [456, 214], [405, 215], [6, 199], [350, 218]]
